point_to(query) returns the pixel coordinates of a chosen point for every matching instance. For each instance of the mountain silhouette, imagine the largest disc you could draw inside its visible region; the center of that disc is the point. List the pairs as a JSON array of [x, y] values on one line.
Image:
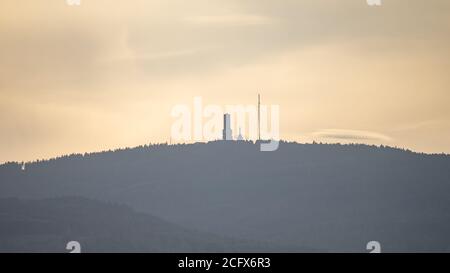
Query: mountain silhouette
[[47, 225], [311, 196]]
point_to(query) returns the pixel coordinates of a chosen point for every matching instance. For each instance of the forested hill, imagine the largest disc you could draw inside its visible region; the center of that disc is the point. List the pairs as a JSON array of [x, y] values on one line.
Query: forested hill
[[331, 197], [47, 225]]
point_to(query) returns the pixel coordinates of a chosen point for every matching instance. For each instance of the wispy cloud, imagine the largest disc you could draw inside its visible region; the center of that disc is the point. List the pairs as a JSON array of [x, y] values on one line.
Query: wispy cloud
[[160, 55], [351, 135], [230, 20]]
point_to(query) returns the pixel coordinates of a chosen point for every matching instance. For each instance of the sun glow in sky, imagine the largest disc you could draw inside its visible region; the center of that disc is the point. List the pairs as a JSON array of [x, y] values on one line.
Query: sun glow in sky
[[107, 73]]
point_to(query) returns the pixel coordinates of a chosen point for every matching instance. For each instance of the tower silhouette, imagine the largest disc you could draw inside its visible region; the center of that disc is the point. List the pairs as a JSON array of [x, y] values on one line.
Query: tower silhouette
[[227, 133], [259, 117]]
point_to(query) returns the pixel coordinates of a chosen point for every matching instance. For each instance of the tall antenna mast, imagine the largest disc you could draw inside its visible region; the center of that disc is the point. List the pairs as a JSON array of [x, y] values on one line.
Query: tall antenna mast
[[259, 117]]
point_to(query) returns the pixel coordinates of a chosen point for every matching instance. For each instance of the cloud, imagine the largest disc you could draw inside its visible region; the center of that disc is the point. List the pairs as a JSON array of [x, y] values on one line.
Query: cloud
[[351, 135], [230, 20]]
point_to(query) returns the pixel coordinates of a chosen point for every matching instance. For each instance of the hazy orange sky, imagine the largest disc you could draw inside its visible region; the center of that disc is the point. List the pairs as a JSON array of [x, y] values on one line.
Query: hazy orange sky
[[107, 73]]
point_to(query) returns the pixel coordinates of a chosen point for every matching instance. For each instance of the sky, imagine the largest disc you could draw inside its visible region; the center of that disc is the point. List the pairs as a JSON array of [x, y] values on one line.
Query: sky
[[106, 74]]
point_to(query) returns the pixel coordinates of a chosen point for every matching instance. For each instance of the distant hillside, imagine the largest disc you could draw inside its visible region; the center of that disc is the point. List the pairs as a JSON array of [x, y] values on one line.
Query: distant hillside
[[331, 197], [48, 225]]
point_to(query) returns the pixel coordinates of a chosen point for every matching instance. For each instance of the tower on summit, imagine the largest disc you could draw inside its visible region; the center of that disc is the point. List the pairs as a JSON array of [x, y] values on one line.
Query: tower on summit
[[227, 133]]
